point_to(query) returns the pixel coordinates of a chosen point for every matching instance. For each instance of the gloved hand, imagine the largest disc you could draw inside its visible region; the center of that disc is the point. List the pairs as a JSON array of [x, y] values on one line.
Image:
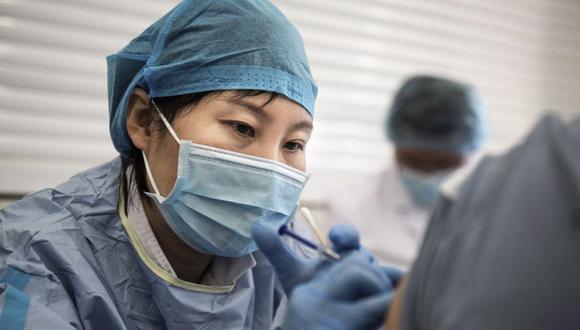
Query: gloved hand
[[352, 293], [292, 269]]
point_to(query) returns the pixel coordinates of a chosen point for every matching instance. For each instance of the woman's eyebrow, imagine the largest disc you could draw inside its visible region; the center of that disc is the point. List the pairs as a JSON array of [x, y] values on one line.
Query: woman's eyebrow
[[249, 106], [303, 125]]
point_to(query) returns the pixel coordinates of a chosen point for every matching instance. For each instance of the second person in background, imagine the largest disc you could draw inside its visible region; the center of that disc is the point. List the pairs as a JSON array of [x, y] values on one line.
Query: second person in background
[[436, 125]]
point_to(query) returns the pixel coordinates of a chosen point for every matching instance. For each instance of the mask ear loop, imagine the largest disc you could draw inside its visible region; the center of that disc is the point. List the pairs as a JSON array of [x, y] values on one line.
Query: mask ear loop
[[171, 131], [165, 121], [149, 174]]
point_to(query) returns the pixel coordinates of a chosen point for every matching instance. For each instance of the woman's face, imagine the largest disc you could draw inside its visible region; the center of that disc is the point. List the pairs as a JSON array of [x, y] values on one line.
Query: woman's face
[[277, 130]]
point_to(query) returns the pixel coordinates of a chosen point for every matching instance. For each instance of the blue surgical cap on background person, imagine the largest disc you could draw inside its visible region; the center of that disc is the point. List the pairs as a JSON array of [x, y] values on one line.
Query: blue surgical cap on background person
[[207, 45], [437, 114]]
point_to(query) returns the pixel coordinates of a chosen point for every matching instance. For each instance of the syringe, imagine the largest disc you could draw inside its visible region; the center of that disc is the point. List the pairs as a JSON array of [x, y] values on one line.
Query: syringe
[[327, 252]]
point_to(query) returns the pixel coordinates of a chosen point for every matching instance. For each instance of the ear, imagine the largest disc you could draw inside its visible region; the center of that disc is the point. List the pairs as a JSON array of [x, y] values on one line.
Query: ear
[[139, 119]]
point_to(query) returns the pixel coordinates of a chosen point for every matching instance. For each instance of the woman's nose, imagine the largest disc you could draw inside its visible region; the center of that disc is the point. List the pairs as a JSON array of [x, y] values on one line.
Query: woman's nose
[[269, 151]]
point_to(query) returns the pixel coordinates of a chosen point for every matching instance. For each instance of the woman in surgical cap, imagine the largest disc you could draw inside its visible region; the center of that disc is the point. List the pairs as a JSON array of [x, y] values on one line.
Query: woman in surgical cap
[[436, 125], [210, 109]]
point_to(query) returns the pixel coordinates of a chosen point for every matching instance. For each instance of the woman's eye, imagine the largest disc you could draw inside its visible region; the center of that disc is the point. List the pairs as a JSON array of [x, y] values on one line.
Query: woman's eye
[[294, 146], [243, 129]]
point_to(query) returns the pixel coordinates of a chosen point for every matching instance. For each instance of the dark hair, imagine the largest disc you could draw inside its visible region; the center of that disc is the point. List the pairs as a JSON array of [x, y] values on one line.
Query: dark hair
[[133, 168]]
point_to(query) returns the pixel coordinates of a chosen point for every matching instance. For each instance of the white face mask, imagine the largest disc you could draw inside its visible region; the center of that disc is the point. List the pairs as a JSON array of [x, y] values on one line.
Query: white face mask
[[423, 187]]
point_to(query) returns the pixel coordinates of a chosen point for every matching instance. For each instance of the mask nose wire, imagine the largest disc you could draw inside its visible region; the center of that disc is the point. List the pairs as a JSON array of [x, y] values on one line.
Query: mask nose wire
[[171, 131]]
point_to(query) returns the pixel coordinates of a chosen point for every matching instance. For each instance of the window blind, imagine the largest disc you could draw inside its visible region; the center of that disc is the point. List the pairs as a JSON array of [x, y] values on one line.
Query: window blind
[[522, 55]]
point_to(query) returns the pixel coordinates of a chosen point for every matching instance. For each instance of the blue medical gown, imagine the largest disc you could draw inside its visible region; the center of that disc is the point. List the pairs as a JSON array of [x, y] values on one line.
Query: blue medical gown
[[503, 253], [67, 262]]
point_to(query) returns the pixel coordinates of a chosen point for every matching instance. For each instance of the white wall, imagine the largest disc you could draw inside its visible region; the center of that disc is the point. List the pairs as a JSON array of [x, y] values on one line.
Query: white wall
[[524, 55]]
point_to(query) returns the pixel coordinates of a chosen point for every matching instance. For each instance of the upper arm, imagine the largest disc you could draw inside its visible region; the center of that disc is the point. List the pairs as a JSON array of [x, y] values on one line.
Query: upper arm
[[394, 312], [411, 307]]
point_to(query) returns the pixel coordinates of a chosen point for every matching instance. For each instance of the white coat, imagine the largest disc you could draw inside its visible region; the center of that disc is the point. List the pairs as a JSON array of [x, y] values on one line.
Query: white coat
[[390, 224]]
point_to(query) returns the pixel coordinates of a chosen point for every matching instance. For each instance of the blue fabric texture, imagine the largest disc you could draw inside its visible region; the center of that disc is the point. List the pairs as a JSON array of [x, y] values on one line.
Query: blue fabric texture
[[84, 273], [15, 309], [16, 303], [15, 278], [206, 45], [437, 114]]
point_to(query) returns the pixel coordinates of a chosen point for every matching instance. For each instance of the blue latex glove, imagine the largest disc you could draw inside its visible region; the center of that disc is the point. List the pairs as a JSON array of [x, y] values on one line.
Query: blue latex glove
[[292, 269], [394, 274], [352, 293]]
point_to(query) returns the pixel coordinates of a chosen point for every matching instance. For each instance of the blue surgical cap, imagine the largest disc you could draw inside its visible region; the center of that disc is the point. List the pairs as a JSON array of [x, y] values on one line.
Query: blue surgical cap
[[210, 45], [437, 114]]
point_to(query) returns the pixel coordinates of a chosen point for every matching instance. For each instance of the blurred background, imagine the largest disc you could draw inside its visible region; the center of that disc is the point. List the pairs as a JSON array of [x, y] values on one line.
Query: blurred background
[[522, 55]]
